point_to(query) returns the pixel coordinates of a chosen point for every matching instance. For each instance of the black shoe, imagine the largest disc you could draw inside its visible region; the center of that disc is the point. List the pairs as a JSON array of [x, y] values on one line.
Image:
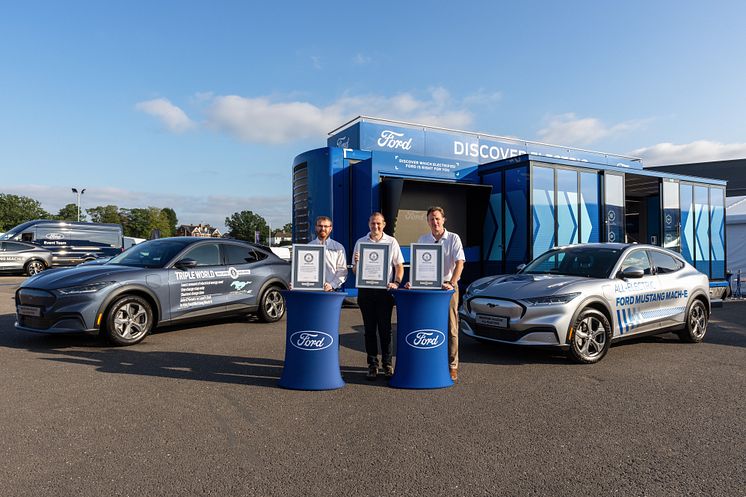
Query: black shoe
[[388, 371], [372, 372]]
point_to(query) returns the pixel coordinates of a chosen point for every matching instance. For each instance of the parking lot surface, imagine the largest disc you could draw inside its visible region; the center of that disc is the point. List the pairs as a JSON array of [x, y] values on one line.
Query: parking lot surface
[[196, 410]]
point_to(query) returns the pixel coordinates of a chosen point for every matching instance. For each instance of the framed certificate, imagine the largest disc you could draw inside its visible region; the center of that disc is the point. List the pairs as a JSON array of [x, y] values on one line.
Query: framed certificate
[[426, 270], [308, 267], [373, 265]]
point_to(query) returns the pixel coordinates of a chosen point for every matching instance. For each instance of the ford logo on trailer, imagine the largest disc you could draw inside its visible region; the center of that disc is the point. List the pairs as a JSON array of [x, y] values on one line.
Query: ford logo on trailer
[[425, 339], [311, 340]]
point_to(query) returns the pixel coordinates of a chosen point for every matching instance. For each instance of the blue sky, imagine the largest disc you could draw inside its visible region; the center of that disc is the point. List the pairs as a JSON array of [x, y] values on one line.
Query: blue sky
[[201, 106]]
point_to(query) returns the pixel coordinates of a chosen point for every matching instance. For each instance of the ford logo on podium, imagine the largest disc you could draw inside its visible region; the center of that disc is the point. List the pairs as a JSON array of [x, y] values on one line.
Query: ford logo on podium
[[311, 340], [425, 339]]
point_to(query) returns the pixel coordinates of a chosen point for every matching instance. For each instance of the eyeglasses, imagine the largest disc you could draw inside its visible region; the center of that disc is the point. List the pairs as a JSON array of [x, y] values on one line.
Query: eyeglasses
[[324, 226]]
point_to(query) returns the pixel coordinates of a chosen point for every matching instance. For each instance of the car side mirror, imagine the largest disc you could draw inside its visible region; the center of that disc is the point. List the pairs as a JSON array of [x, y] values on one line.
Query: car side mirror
[[632, 272], [186, 263], [520, 268]]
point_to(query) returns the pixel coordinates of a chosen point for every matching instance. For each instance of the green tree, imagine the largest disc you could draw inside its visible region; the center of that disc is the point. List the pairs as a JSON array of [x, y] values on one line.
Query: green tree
[[288, 228], [17, 209], [105, 214], [70, 213], [140, 223], [173, 221], [244, 224]]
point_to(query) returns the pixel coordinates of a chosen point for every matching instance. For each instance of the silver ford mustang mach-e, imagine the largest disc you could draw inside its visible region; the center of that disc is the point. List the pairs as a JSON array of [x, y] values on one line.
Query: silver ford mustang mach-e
[[581, 298]]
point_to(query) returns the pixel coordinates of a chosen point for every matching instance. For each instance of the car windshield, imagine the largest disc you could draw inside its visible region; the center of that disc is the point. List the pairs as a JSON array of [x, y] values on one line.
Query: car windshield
[[13, 232], [591, 262], [151, 254]]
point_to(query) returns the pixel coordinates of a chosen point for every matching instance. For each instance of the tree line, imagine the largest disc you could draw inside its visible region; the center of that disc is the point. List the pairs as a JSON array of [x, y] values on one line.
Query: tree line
[[137, 222]]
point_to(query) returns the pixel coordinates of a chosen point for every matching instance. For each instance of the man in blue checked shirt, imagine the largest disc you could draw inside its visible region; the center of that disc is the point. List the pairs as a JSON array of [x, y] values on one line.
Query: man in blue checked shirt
[[335, 263]]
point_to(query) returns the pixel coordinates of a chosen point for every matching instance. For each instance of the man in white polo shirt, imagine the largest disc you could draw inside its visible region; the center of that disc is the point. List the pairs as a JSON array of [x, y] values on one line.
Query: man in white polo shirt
[[335, 263], [376, 305], [453, 265]]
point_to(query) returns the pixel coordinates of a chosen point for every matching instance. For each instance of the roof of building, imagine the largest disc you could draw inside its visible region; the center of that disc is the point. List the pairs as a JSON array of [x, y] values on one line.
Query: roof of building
[[733, 171]]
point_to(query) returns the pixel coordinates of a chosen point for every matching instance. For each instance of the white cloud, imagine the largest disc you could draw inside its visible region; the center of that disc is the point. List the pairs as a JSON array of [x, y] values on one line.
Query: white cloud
[[569, 129], [696, 151], [171, 116], [265, 120], [361, 60], [190, 209], [482, 98], [259, 120]]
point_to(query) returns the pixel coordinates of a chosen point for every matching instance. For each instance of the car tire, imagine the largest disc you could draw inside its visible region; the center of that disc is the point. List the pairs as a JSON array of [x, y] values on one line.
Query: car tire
[[128, 320], [695, 327], [591, 337], [271, 305], [34, 267]]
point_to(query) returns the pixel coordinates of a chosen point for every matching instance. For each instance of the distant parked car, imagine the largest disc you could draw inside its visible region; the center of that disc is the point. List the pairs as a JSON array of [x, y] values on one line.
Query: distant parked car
[[163, 281], [20, 257], [70, 243]]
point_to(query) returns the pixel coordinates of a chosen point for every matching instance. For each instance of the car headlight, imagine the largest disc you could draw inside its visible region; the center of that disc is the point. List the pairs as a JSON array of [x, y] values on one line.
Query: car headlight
[[91, 288], [552, 299]]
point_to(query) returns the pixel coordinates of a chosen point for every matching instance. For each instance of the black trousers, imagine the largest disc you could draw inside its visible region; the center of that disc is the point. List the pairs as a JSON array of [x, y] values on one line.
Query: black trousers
[[376, 307]]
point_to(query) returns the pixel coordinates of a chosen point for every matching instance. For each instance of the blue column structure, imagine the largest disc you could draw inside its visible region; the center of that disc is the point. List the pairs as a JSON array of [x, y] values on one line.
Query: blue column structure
[[312, 340], [421, 339]]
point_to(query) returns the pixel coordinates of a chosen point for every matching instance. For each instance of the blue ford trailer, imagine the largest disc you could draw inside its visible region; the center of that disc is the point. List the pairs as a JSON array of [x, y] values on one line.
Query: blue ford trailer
[[509, 200]]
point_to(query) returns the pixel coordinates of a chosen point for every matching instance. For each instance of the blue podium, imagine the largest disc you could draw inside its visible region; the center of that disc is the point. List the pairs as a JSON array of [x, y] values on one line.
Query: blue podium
[[421, 339], [312, 340]]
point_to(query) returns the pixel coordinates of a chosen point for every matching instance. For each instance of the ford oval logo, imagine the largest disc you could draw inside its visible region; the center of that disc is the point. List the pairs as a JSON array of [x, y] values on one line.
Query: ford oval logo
[[311, 340], [54, 236], [425, 339]]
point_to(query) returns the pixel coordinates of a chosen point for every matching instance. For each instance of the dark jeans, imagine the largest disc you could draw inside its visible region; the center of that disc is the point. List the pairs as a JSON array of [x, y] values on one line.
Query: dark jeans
[[376, 306]]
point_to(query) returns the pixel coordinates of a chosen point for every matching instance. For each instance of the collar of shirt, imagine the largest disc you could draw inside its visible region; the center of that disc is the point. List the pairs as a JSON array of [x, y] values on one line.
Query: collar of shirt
[[316, 241], [383, 238], [443, 237]]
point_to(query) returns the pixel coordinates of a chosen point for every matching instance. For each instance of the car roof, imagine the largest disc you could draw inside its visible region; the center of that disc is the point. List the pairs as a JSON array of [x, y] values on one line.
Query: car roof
[[621, 246], [190, 240]]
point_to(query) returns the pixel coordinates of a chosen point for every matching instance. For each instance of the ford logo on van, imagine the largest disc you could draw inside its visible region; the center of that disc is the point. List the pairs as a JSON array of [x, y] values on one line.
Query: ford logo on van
[[311, 340], [54, 236], [425, 339]]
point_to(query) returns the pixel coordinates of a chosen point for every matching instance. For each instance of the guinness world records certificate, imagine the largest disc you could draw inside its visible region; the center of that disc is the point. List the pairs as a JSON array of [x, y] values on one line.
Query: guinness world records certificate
[[373, 265], [427, 266], [308, 267]]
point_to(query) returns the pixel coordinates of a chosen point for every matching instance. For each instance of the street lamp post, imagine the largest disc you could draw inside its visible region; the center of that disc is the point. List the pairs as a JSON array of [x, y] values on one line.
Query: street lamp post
[[78, 193]]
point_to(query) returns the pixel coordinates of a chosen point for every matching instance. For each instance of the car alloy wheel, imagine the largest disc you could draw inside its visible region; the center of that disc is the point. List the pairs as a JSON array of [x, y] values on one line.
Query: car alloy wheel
[[35, 267], [129, 320], [696, 323], [591, 337], [272, 305]]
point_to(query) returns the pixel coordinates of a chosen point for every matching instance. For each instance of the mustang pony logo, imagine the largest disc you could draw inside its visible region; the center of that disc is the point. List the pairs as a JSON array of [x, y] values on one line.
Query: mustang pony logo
[[239, 285]]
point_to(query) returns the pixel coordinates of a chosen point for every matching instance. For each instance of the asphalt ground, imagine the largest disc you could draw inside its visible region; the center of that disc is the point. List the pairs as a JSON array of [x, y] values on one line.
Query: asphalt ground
[[197, 411]]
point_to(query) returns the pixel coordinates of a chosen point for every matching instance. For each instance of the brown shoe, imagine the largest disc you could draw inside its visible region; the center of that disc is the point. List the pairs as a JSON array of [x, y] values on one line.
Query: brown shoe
[[454, 374]]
